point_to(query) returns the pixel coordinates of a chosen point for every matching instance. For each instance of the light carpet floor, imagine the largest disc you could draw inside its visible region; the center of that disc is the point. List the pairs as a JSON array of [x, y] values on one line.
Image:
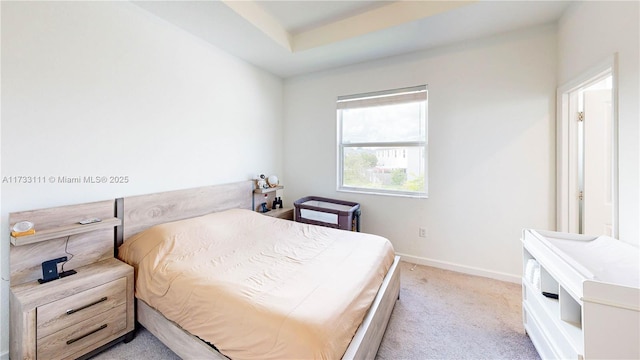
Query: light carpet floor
[[440, 315]]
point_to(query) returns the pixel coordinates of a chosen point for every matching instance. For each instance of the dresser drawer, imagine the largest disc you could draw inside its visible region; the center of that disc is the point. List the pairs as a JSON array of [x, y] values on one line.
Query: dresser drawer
[[66, 312], [76, 338]]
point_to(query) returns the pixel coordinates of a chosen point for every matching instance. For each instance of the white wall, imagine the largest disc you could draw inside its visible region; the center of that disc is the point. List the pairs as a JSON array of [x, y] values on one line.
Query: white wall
[[103, 88], [491, 148], [589, 33]]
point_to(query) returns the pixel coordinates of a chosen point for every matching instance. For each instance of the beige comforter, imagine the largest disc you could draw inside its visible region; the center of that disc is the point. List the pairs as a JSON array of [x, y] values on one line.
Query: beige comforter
[[257, 287]]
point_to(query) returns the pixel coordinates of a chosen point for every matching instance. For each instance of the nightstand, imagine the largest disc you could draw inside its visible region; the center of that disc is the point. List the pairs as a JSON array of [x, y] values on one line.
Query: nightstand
[[72, 316], [267, 196], [284, 213], [77, 315]]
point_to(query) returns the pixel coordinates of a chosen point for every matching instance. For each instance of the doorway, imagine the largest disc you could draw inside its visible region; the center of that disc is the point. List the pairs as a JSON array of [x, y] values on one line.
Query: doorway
[[587, 153]]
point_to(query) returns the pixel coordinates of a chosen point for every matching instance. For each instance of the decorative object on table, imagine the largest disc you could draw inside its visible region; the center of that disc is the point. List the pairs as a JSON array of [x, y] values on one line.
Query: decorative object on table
[[261, 182], [23, 228], [263, 207], [273, 181], [277, 201]]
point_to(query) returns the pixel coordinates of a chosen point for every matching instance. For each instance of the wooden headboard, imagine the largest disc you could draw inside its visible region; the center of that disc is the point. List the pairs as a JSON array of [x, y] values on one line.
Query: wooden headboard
[[143, 211], [58, 234]]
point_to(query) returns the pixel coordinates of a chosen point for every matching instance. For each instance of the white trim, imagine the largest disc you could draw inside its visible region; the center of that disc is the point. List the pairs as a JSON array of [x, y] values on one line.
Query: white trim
[[263, 20], [380, 192], [598, 69], [381, 98], [4, 356], [368, 101], [566, 177], [517, 279], [381, 17]]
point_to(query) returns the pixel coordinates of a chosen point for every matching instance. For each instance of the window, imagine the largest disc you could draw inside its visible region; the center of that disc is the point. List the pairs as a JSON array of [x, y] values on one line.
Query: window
[[382, 142]]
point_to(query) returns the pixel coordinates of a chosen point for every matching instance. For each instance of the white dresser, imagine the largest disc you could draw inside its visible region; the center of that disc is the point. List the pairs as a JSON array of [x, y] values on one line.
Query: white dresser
[[590, 308]]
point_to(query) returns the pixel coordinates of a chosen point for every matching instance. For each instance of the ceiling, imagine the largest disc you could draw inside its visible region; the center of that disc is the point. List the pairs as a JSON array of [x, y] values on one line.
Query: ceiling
[[289, 38]]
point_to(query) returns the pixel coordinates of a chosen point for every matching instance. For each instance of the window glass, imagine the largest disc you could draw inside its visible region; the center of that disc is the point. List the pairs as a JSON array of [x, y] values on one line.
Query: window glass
[[389, 123], [382, 142]]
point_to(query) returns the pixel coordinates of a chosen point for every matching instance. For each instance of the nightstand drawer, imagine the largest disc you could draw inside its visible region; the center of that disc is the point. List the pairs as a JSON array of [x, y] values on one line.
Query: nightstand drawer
[[78, 337], [63, 313]]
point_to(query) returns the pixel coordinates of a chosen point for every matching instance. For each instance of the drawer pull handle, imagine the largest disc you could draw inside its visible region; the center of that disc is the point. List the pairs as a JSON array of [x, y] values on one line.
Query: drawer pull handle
[[71, 311], [69, 342]]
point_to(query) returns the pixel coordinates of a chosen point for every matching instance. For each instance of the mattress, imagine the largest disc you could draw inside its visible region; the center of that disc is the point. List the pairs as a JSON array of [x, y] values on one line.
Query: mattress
[[258, 287]]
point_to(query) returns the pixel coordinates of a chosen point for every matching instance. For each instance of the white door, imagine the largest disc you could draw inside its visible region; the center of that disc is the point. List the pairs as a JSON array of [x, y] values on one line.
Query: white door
[[597, 206], [587, 155]]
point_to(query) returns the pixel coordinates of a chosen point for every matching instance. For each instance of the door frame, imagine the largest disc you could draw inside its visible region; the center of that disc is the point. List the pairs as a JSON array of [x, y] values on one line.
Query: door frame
[[567, 149]]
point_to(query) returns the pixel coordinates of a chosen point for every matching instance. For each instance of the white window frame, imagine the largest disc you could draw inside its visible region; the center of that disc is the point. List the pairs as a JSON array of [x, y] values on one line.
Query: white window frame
[[386, 97]]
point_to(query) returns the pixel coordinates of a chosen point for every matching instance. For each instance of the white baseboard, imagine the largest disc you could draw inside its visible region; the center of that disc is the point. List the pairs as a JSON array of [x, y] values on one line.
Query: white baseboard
[[4, 356], [461, 268]]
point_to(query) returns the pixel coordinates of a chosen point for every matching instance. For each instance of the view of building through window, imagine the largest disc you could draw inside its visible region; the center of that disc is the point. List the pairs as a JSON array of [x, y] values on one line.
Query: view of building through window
[[383, 142]]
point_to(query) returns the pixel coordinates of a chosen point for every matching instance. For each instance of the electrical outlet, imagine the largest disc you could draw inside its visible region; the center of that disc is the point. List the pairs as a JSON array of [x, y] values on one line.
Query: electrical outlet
[[422, 232]]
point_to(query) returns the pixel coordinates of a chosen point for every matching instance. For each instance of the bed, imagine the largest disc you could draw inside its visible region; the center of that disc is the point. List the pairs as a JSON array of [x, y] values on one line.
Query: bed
[[297, 290]]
